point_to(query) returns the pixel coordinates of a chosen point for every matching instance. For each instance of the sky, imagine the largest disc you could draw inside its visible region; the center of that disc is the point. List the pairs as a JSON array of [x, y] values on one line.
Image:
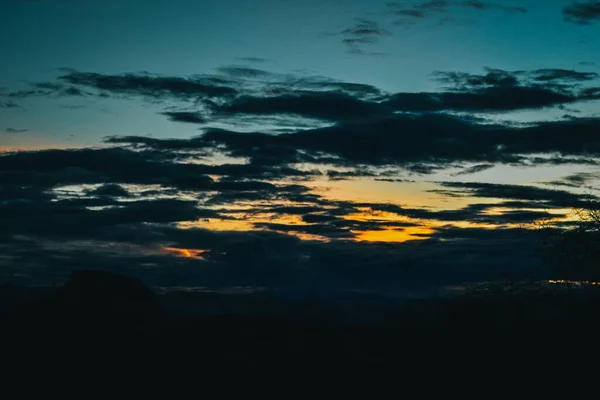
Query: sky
[[310, 145]]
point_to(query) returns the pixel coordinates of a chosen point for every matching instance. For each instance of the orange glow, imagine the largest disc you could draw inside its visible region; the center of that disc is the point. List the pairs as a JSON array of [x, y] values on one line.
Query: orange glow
[[394, 235], [243, 222], [187, 253]]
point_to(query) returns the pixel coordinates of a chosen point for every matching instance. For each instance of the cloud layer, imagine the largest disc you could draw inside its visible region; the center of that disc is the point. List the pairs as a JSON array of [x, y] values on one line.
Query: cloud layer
[[235, 206]]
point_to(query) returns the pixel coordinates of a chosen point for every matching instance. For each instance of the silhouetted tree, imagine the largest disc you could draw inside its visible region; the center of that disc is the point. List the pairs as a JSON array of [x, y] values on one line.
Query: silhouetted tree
[[574, 250]]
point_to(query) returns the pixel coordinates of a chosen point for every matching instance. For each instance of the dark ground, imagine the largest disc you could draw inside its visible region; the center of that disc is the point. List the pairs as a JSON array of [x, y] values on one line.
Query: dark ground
[[100, 321]]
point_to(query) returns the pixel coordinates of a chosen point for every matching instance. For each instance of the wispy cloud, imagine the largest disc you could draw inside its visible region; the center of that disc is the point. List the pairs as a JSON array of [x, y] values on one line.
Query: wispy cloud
[[363, 33], [185, 116], [257, 60], [443, 12], [578, 180], [15, 130], [8, 104]]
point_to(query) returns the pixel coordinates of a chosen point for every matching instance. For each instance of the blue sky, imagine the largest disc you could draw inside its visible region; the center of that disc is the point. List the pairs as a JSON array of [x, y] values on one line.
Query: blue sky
[[182, 38]]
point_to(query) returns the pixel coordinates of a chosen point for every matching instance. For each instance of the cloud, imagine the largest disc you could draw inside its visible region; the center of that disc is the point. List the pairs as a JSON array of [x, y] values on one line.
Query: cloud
[[547, 78], [550, 197], [465, 80], [364, 32], [478, 5], [242, 95], [357, 126], [110, 189], [74, 219], [432, 140], [582, 12], [48, 89], [495, 91], [474, 169], [484, 99], [443, 12], [244, 72], [185, 116], [554, 74], [52, 231], [475, 212], [8, 104], [258, 60], [147, 85], [500, 90], [122, 204], [15, 130], [578, 180], [209, 97], [327, 105]]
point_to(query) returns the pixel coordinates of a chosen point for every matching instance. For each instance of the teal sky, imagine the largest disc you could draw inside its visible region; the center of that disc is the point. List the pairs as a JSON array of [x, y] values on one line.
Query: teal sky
[[185, 37]]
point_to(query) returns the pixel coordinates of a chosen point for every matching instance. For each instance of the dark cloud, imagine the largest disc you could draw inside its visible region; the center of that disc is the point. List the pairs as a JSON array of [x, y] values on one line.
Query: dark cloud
[[476, 213], [548, 78], [8, 104], [15, 130], [335, 175], [364, 32], [444, 12], [552, 74], [242, 95], [577, 180], [495, 91], [474, 169], [229, 92], [53, 167], [451, 232], [465, 80], [48, 89], [57, 233], [325, 105], [333, 227], [326, 230], [551, 197], [232, 192], [110, 189], [318, 218], [478, 5], [74, 219], [482, 99], [253, 59], [147, 85], [425, 142], [244, 72], [185, 116], [262, 259], [582, 12]]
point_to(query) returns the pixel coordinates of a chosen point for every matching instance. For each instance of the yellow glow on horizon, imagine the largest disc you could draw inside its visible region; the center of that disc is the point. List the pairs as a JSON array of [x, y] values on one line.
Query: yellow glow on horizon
[[366, 214], [407, 194], [393, 235], [218, 225], [242, 222]]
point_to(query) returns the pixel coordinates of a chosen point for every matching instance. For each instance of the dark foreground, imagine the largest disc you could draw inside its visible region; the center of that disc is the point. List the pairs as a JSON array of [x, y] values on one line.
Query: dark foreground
[[104, 322]]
